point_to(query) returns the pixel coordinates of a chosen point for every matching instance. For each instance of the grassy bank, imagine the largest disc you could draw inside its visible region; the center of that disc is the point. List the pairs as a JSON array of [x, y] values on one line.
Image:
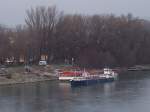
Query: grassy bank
[[18, 74]]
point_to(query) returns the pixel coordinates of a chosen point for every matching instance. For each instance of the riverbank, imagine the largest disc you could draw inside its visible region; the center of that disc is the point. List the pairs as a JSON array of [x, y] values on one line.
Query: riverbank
[[18, 74]]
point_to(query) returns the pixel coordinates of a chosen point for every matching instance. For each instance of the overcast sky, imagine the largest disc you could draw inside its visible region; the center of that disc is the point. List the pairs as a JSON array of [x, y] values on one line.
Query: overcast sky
[[12, 12]]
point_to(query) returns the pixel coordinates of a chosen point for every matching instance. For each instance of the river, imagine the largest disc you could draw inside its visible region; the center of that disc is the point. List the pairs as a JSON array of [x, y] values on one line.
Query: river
[[131, 93]]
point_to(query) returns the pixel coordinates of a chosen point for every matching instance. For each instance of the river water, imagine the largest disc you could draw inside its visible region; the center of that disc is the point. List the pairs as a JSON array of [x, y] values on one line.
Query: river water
[[131, 93]]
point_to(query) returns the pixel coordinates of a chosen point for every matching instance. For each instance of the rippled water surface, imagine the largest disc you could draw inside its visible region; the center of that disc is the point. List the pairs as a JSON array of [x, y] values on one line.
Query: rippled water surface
[[131, 93]]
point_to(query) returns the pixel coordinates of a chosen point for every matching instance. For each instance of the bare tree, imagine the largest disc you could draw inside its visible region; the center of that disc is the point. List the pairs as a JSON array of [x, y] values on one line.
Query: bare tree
[[41, 22]]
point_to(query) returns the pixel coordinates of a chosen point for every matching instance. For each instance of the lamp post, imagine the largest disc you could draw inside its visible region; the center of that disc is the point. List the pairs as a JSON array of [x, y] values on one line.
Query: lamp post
[[72, 60]]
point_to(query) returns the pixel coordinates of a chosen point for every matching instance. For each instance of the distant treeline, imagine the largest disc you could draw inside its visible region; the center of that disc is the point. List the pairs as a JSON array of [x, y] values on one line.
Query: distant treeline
[[92, 41]]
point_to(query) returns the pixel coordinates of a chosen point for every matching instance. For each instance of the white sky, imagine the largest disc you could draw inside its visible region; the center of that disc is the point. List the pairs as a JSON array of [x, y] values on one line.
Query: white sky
[[12, 12]]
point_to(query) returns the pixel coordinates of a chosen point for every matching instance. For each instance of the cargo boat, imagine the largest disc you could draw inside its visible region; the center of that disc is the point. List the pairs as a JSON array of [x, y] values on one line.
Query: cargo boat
[[87, 79]]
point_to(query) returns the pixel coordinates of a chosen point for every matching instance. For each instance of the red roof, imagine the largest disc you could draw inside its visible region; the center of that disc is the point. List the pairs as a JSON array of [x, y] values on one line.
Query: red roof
[[71, 73]]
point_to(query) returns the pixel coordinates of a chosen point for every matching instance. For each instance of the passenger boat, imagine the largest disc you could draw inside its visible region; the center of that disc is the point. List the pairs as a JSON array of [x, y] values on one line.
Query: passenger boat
[[87, 79]]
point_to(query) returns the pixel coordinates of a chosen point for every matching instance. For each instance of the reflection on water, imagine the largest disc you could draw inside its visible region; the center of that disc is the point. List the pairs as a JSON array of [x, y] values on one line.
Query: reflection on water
[[131, 93]]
